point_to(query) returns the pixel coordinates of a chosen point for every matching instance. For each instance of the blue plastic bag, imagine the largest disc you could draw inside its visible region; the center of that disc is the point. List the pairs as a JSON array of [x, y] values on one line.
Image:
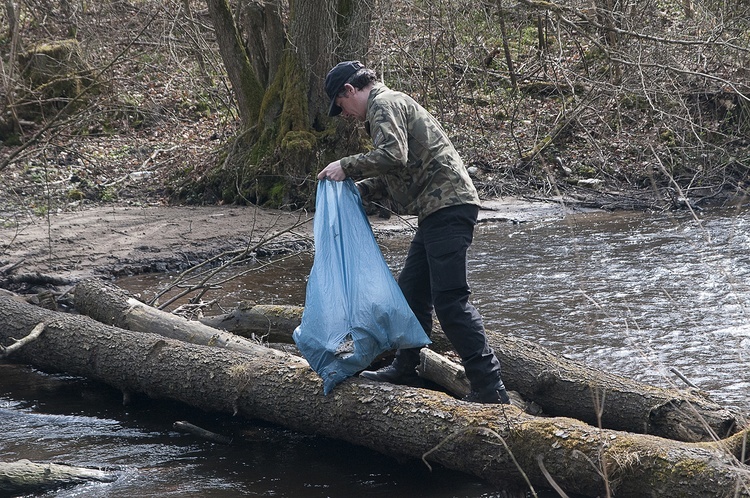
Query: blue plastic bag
[[354, 309]]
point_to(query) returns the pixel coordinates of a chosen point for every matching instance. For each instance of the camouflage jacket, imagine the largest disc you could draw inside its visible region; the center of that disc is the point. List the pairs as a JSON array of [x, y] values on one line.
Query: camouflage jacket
[[412, 159]]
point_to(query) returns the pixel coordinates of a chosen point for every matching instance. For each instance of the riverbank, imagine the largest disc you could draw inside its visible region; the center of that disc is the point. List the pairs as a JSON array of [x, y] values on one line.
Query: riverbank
[[110, 241]]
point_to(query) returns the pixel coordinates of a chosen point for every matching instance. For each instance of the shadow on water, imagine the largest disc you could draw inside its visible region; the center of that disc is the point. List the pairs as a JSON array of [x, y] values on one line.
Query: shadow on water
[[62, 419]]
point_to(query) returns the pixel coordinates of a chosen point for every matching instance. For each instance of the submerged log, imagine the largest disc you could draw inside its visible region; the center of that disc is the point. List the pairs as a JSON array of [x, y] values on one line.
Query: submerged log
[[498, 443], [24, 476], [202, 433], [560, 386], [272, 323]]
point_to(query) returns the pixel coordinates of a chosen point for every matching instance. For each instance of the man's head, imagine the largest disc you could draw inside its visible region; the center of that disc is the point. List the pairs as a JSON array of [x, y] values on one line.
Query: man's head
[[346, 80]]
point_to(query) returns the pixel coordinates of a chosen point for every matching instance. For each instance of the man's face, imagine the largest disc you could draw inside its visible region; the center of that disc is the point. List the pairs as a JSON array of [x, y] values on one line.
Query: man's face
[[351, 103]]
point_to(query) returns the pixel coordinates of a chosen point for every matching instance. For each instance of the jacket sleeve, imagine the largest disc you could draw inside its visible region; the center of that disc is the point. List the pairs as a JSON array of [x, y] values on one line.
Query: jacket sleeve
[[388, 129], [372, 189]]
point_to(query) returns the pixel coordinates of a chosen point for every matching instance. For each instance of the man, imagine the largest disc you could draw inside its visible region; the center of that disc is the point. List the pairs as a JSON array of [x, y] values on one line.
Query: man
[[415, 163]]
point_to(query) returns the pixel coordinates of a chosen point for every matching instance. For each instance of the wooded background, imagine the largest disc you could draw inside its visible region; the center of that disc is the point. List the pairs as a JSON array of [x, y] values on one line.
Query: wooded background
[[222, 101]]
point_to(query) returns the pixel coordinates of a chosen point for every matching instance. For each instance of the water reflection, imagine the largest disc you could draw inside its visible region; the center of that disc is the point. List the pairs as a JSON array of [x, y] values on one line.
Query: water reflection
[[71, 420]]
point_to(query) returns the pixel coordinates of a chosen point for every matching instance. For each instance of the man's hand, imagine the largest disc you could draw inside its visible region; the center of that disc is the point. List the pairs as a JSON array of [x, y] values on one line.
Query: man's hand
[[333, 172]]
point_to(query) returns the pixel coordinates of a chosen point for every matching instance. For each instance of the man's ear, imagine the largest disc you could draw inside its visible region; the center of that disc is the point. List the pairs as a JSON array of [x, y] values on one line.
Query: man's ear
[[349, 89]]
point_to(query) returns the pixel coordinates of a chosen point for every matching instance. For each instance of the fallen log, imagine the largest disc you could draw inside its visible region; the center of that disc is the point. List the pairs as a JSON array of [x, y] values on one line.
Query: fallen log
[[24, 476], [275, 323], [111, 305], [498, 443], [202, 433], [452, 376], [37, 279], [561, 387], [272, 323]]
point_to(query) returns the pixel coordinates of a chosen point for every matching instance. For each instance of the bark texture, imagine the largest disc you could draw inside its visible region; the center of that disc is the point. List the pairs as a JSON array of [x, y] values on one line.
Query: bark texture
[[561, 387], [312, 32], [273, 323], [110, 305], [263, 30], [564, 387], [494, 442], [247, 88]]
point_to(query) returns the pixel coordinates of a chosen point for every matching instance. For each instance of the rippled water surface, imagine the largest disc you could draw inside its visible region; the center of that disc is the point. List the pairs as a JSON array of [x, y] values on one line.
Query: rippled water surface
[[54, 418], [635, 295], [631, 293]]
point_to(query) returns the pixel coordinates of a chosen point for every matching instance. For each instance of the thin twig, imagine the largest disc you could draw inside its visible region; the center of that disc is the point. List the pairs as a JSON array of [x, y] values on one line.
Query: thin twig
[[548, 476], [682, 377], [485, 431], [33, 335], [237, 255]]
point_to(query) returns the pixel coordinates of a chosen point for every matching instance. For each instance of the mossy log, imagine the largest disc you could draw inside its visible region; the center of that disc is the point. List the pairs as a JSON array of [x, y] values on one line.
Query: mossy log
[[57, 72], [560, 386], [24, 476], [563, 387], [498, 443]]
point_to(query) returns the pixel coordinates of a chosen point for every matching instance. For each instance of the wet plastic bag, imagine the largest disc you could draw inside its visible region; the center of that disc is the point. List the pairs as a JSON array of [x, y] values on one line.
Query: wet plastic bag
[[354, 309]]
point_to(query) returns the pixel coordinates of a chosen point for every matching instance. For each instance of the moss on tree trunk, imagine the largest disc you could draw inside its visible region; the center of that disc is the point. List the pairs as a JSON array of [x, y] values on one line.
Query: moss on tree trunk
[[274, 160]]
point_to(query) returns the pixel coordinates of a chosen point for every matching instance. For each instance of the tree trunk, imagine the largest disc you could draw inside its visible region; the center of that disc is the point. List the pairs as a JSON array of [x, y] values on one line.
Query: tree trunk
[[263, 31], [353, 20], [245, 83], [313, 33], [498, 443], [24, 476], [506, 46], [272, 323], [276, 162], [561, 387], [568, 388]]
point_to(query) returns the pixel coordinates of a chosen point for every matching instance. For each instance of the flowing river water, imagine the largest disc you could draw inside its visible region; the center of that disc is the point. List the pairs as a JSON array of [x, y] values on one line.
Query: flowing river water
[[644, 296]]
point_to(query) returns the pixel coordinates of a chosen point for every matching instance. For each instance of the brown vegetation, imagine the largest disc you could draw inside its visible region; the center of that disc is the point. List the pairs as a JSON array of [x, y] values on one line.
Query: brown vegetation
[[640, 105]]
